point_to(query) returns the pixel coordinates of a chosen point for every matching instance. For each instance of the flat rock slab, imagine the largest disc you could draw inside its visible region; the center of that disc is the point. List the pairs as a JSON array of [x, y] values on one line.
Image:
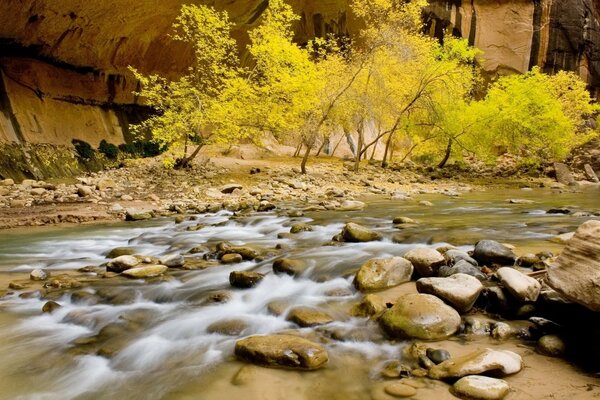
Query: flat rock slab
[[502, 362], [481, 388], [150, 271], [522, 287], [576, 272], [488, 252], [383, 273], [282, 351], [459, 290], [308, 316]]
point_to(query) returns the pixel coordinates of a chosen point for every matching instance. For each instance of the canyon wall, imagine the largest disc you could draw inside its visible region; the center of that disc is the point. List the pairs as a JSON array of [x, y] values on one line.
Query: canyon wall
[[63, 63]]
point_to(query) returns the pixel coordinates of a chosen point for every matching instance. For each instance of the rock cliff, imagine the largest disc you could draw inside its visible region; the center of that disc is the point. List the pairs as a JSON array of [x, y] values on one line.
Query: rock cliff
[[63, 63]]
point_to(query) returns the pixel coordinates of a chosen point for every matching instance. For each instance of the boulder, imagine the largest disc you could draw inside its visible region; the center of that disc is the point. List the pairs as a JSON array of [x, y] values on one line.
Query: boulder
[[420, 316], [308, 316], [122, 263], [104, 184], [172, 260], [245, 279], [38, 275], [576, 272], [233, 258], [84, 191], [383, 273], [370, 305], [551, 345], [356, 233], [282, 351], [403, 221], [149, 271], [460, 290], [300, 227], [426, 261], [462, 267], [120, 251], [229, 188], [50, 307], [502, 362], [481, 388], [563, 174], [290, 267], [489, 252], [137, 215], [453, 256], [351, 205], [522, 287], [590, 173]]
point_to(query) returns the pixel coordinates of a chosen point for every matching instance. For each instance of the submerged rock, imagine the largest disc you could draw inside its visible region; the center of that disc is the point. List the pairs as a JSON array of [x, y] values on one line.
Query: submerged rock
[[502, 362], [301, 227], [245, 279], [426, 261], [172, 260], [357, 233], [522, 287], [481, 388], [383, 273], [289, 267], [576, 272], [282, 351], [420, 316], [351, 205], [308, 316], [460, 290], [489, 252]]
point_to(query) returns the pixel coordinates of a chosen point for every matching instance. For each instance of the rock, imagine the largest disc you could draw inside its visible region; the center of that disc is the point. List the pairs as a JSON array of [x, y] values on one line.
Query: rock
[[172, 260], [104, 184], [398, 389], [120, 251], [290, 267], [307, 316], [7, 182], [462, 267], [370, 305], [551, 345], [297, 228], [383, 273], [50, 307], [561, 210], [136, 215], [425, 260], [282, 351], [356, 233], [481, 388], [126, 197], [426, 203], [503, 362], [438, 356], [576, 272], [37, 191], [84, 191], [563, 238], [228, 189], [563, 174], [232, 258], [420, 316], [245, 279], [18, 203], [521, 286], [351, 205], [453, 256], [459, 290], [403, 221], [521, 201], [38, 275], [590, 173], [489, 252], [122, 263], [150, 271], [232, 327]]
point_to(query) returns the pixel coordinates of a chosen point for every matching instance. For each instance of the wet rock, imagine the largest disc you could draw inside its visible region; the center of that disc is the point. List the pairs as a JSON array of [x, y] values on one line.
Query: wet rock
[[395, 369], [426, 261], [233, 258], [245, 279], [217, 297], [120, 251], [308, 316], [453, 256], [403, 221], [50, 307], [370, 305], [82, 296], [420, 316], [563, 238], [502, 362], [528, 260], [462, 267], [356, 233], [247, 253], [289, 267], [301, 227], [459, 290], [150, 271], [38, 275], [426, 203], [488, 252], [521, 286], [562, 211], [351, 205], [398, 389], [481, 388], [282, 351], [576, 272], [563, 174], [136, 215], [521, 201], [172, 260], [438, 356], [122, 263], [551, 345], [383, 273], [502, 331], [232, 327], [277, 307]]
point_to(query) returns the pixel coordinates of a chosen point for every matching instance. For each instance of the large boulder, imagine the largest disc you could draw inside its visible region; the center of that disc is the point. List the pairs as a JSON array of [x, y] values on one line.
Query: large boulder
[[481, 388], [357, 233], [383, 273], [282, 351], [426, 261], [576, 272], [489, 252], [563, 174], [500, 362], [522, 287], [420, 316], [460, 290]]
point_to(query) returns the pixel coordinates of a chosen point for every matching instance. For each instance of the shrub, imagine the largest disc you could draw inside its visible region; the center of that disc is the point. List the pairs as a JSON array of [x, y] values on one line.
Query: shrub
[[83, 149], [109, 150]]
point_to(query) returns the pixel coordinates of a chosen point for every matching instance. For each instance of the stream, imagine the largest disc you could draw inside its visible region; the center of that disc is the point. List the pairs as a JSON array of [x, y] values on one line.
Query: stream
[[152, 339]]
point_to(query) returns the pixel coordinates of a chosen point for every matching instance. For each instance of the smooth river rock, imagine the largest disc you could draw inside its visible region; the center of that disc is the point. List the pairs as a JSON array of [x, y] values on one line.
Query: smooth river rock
[[576, 272], [282, 351], [357, 233], [481, 388], [460, 290], [502, 362], [462, 267], [383, 273], [489, 252], [245, 279], [149, 271], [426, 261], [523, 288], [122, 263], [420, 316], [308, 316]]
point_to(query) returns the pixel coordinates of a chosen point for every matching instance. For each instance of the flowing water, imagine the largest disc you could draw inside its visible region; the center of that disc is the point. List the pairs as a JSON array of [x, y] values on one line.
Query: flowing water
[[150, 340]]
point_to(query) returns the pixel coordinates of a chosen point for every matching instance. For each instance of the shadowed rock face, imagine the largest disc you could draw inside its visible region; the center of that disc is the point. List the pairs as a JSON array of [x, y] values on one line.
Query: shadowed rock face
[[63, 63]]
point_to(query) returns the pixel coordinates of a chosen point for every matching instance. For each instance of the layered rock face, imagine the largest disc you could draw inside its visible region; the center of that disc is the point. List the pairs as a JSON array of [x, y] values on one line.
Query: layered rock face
[[63, 63]]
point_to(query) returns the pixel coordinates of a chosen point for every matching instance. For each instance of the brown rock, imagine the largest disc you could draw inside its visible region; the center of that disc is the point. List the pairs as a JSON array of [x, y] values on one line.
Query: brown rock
[[308, 316], [590, 173], [563, 174]]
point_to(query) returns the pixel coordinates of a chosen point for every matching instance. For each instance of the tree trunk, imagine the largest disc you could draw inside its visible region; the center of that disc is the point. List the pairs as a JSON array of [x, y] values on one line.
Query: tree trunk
[[374, 150], [442, 163], [185, 161], [388, 143], [321, 147], [297, 152], [361, 135], [305, 159], [337, 145]]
